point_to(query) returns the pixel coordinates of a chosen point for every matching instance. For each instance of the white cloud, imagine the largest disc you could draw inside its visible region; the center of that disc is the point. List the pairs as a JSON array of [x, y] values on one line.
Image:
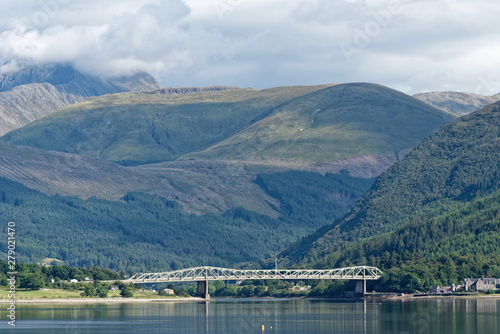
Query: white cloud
[[422, 45]]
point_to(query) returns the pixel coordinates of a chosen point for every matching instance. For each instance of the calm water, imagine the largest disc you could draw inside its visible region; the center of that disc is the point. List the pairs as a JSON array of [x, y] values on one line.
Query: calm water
[[278, 316]]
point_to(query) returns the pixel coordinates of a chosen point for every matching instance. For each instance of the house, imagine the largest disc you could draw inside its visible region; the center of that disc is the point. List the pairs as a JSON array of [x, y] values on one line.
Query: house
[[169, 291], [233, 283], [482, 284], [439, 290], [114, 288]]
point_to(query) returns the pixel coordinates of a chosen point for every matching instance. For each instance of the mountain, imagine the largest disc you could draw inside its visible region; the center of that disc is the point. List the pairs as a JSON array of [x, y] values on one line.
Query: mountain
[[149, 172], [336, 122], [451, 168], [299, 125], [150, 222], [36, 91], [456, 102]]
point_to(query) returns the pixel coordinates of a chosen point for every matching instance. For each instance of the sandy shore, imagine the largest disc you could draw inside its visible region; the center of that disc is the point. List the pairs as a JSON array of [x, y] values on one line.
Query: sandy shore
[[101, 300]]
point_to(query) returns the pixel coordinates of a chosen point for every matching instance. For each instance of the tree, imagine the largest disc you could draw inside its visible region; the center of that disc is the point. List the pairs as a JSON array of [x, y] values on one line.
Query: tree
[[126, 293], [247, 291], [260, 290], [176, 265], [102, 291], [272, 291], [90, 291], [100, 276], [119, 284], [214, 286], [3, 281], [31, 281], [122, 274], [192, 290]]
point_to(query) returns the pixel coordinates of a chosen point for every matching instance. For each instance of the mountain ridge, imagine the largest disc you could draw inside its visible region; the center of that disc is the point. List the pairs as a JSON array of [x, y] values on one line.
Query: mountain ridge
[[330, 118], [282, 122], [34, 92]]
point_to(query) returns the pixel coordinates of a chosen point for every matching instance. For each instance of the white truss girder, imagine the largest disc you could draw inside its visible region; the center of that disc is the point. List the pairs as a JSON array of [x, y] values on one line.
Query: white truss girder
[[214, 273]]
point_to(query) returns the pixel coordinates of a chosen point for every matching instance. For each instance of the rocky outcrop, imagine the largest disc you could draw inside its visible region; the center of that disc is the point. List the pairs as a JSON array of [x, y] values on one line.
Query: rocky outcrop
[[188, 90]]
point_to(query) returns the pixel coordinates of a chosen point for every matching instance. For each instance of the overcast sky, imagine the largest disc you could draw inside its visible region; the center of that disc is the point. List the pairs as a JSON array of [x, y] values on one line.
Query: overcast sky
[[410, 45]]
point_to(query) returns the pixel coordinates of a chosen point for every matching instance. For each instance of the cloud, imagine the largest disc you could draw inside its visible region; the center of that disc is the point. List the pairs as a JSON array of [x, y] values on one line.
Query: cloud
[[413, 45]]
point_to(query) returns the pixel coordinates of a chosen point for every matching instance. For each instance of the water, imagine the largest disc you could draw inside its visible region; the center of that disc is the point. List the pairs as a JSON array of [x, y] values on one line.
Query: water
[[445, 315]]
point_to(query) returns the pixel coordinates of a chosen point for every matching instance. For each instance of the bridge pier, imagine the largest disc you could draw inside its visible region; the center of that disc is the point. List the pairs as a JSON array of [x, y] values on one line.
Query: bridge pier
[[203, 289], [360, 287]]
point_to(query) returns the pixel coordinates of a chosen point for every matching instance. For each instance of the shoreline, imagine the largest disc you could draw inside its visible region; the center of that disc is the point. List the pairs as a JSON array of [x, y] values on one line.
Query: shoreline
[[446, 296], [122, 300], [101, 300]]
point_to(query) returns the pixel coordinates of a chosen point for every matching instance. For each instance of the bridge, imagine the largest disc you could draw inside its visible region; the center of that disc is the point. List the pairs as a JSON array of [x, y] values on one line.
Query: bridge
[[202, 275]]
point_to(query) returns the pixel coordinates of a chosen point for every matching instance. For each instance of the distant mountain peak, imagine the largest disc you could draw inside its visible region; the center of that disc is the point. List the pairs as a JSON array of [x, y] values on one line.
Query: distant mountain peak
[[60, 75], [458, 103], [35, 91]]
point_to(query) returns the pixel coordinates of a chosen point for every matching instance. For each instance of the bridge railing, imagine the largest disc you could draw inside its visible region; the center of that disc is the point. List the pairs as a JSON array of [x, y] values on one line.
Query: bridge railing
[[214, 273]]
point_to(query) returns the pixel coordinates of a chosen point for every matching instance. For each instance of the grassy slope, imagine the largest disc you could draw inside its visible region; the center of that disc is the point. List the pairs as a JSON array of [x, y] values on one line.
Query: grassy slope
[[142, 128], [459, 162], [308, 123], [337, 122]]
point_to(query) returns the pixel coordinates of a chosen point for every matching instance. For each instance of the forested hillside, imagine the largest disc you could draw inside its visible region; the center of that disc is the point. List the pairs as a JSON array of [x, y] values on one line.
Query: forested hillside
[[460, 243], [140, 232], [459, 162], [311, 199], [147, 232]]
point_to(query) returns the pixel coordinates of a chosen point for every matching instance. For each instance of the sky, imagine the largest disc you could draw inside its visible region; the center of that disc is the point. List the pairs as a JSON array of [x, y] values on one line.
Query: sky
[[409, 45]]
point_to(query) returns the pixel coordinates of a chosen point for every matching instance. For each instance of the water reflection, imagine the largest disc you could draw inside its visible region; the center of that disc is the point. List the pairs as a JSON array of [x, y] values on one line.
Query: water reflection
[[445, 315]]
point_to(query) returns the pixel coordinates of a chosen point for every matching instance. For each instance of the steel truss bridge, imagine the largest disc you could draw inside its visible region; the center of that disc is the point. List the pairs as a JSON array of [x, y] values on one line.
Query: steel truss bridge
[[204, 274]]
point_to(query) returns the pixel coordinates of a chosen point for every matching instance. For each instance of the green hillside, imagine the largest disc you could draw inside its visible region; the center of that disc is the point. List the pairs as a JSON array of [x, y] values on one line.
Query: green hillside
[[133, 129], [337, 122], [449, 169], [315, 124]]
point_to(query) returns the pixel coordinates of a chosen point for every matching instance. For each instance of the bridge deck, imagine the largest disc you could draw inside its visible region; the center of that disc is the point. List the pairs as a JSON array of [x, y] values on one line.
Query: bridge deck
[[213, 273]]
